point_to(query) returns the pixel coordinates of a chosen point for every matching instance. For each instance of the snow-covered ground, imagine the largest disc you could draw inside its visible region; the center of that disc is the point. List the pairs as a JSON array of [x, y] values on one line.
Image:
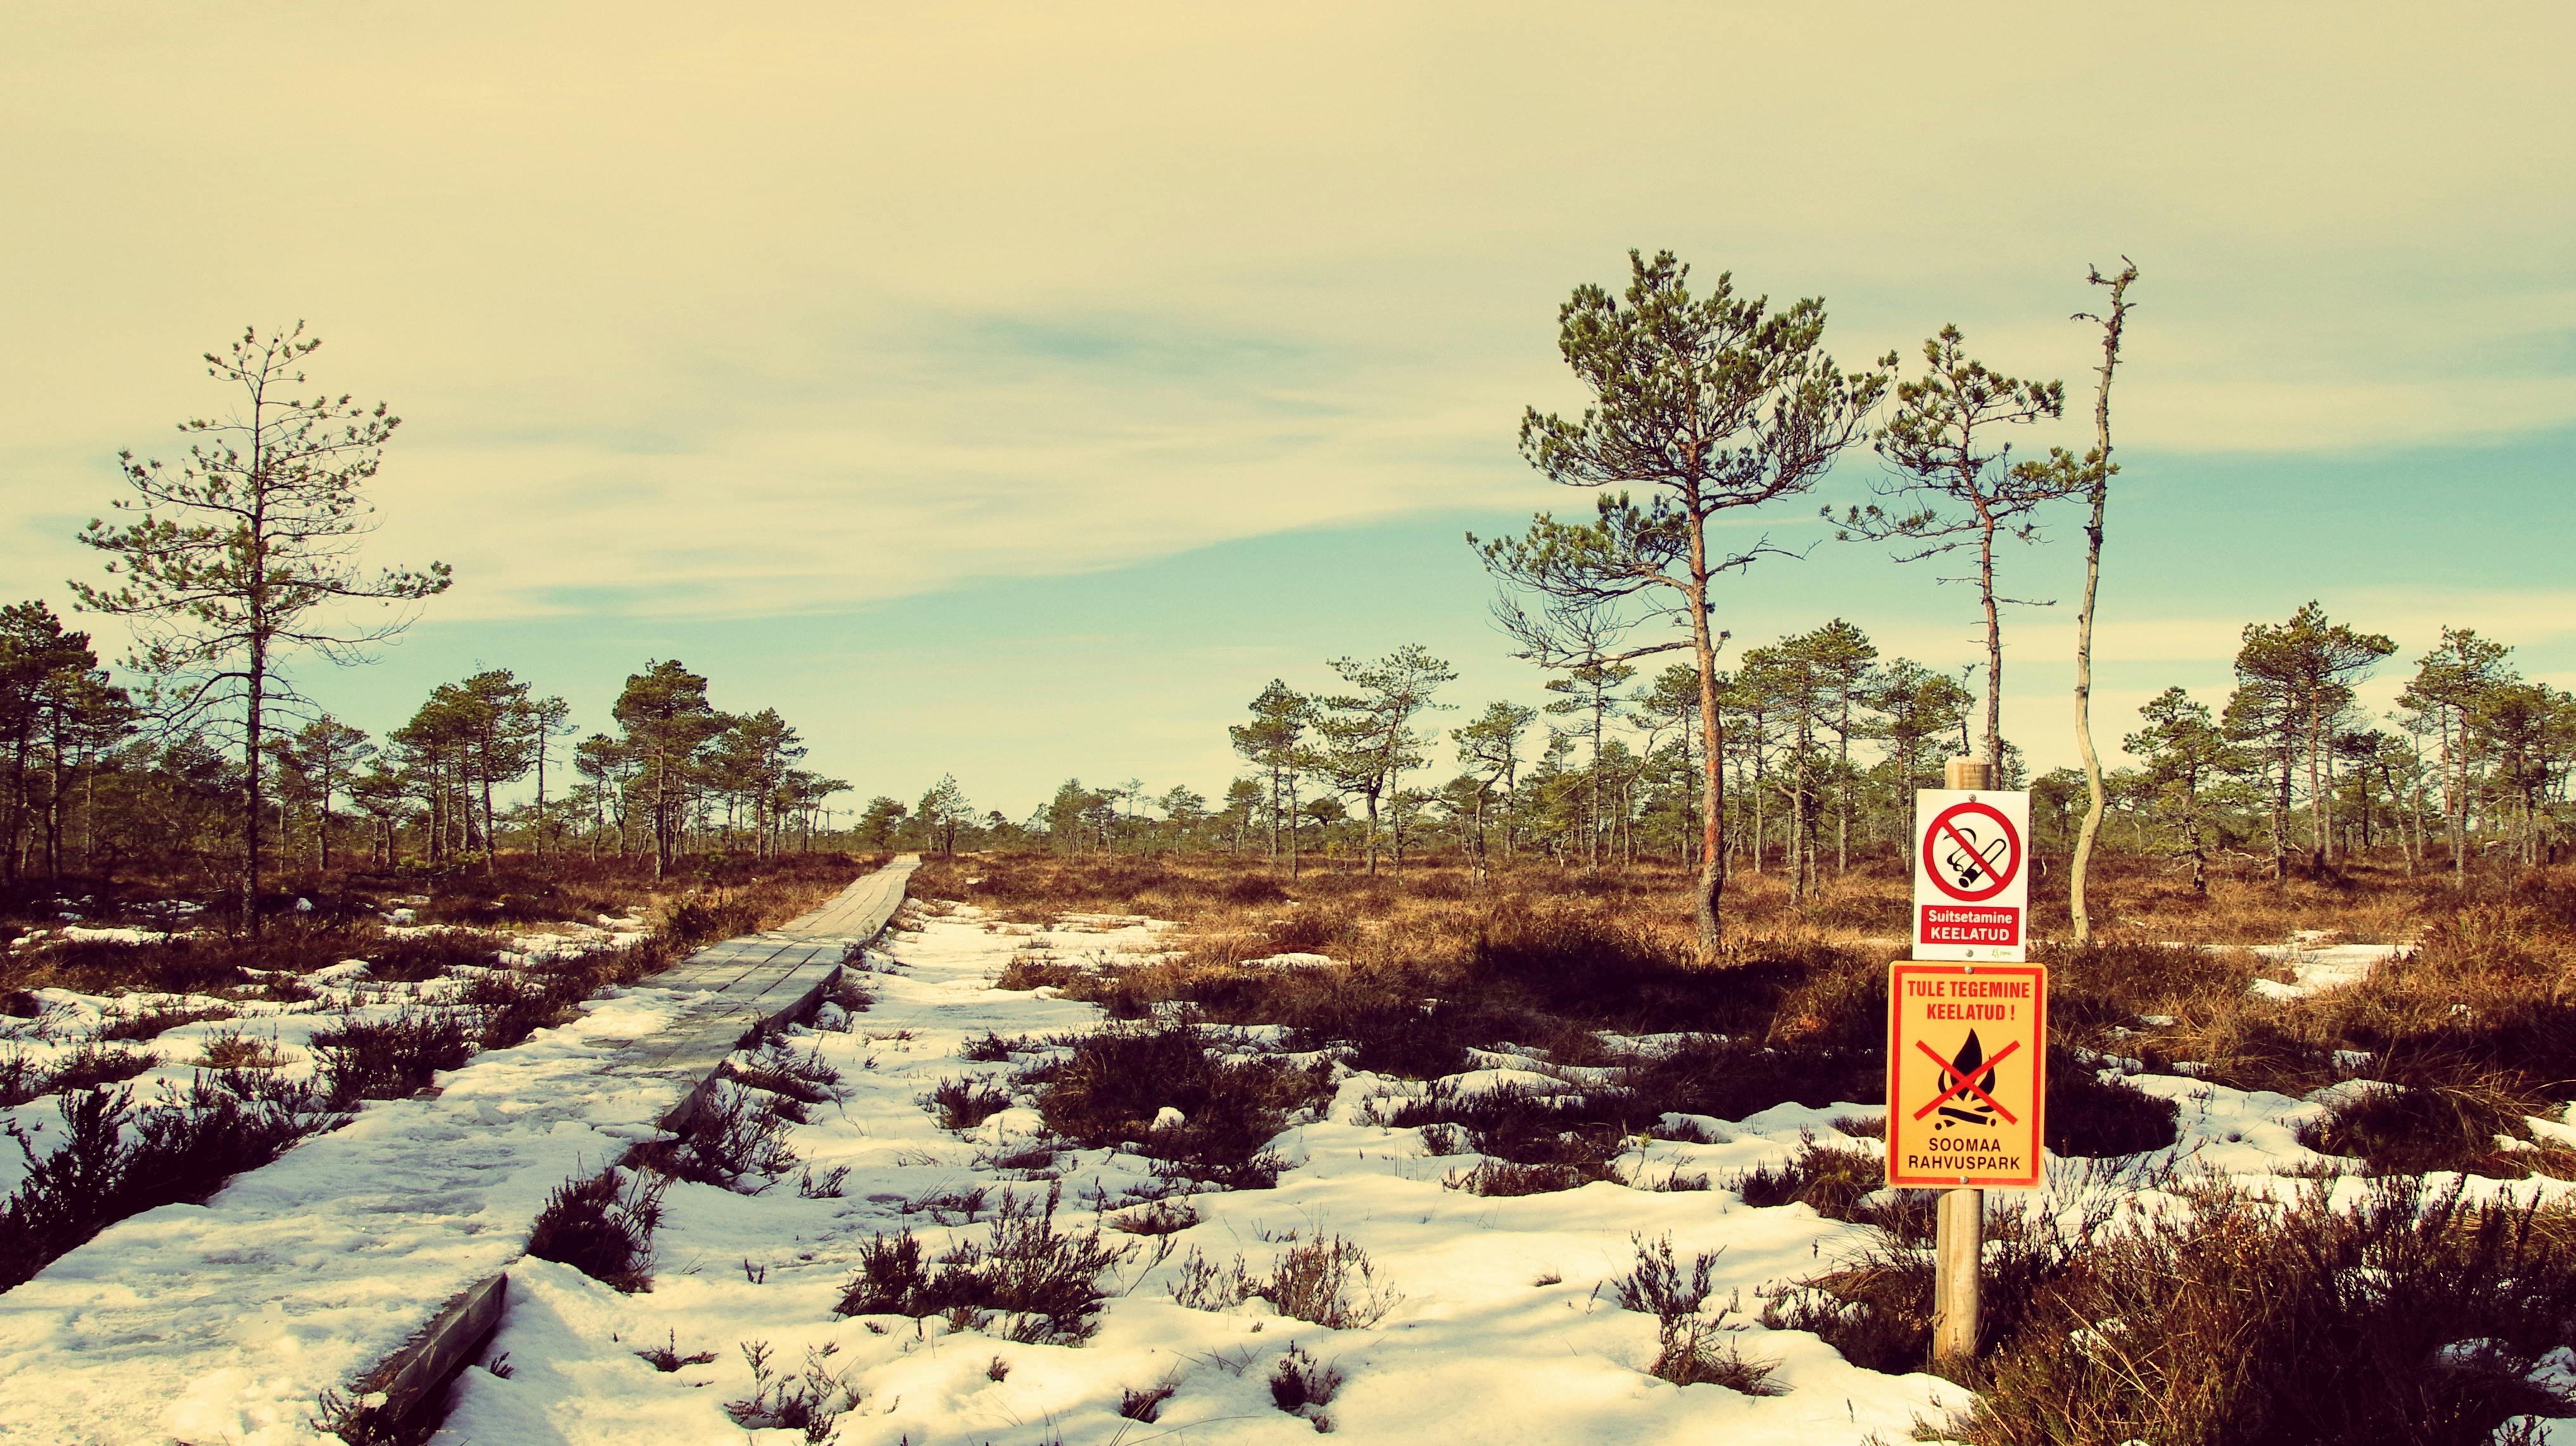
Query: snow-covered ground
[[1504, 1324], [156, 1330], [69, 1022], [1507, 1328], [2317, 965]]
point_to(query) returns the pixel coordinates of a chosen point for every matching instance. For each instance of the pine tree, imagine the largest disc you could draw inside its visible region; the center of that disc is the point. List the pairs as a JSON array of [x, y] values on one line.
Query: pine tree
[[1714, 404], [2296, 679], [668, 723], [2449, 683], [246, 552], [2185, 755], [943, 809], [1274, 742], [1368, 738], [1491, 747], [1963, 484], [56, 705]]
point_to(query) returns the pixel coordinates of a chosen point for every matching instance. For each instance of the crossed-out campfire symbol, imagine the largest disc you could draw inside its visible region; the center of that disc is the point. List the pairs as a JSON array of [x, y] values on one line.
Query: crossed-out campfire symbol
[[1969, 1073]]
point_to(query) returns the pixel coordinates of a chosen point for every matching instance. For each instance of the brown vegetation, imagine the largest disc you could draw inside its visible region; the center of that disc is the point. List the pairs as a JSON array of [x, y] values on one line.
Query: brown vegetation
[[2479, 1016]]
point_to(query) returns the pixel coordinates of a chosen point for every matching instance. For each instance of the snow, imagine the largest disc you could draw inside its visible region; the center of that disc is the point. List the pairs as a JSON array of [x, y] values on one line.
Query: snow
[[218, 1324], [2317, 965], [1475, 1349], [212, 1323], [79, 935]]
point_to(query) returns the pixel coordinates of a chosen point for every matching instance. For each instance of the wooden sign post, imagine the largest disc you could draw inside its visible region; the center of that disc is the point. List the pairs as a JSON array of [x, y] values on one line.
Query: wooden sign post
[[1967, 1032]]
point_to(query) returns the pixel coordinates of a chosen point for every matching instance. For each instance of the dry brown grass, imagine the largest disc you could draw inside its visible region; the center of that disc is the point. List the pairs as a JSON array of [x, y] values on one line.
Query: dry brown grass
[[2241, 1319], [2479, 1019], [700, 901], [2412, 1315], [2482, 1012]]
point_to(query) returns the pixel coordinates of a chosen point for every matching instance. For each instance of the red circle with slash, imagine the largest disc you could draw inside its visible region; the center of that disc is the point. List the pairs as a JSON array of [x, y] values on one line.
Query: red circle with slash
[[1998, 874]]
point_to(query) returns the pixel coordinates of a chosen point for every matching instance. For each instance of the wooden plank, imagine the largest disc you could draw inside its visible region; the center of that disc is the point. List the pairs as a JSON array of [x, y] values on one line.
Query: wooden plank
[[412, 1377], [753, 983]]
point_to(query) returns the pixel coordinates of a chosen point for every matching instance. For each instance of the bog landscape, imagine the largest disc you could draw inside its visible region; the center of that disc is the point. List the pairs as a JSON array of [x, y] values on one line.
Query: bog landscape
[[1083, 822]]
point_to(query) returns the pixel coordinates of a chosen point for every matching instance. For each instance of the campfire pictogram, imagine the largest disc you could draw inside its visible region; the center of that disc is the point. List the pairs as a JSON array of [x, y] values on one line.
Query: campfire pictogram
[[1963, 1071]]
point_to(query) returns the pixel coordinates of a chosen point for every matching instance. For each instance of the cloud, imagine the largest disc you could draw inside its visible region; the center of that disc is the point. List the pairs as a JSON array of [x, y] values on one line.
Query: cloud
[[810, 306]]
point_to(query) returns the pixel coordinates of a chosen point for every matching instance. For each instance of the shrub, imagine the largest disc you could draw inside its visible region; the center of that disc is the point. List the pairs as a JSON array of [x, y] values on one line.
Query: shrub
[[2109, 985], [193, 965], [1839, 1184], [1875, 1306], [812, 1402], [2413, 1315], [1202, 1284], [1166, 1216], [149, 1023], [1252, 889], [1046, 1280], [892, 1279], [1330, 1283], [89, 1067], [411, 958], [1036, 971], [1145, 1403], [1315, 929], [603, 1227], [511, 1006], [2401, 1131], [1732, 1077], [1693, 1352], [962, 1104], [1300, 1383], [1327, 1282], [235, 1050], [826, 1186], [777, 1069], [731, 1137], [847, 991], [1113, 1085], [1541, 1142], [390, 1059], [667, 1357], [114, 1162], [1502, 1178], [2092, 1113], [1657, 1287]]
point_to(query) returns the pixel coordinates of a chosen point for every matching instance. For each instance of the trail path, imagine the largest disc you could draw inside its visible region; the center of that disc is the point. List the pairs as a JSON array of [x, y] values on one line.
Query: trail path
[[223, 1322]]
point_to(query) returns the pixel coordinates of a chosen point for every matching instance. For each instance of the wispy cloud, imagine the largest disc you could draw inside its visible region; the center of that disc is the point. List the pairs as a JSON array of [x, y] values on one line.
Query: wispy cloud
[[813, 306]]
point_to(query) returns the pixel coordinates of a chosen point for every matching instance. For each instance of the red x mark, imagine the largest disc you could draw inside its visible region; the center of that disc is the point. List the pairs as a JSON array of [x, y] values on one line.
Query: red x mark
[[1960, 1081]]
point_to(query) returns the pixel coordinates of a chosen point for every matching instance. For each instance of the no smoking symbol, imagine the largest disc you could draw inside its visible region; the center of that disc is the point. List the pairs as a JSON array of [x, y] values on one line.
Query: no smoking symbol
[[1971, 852]]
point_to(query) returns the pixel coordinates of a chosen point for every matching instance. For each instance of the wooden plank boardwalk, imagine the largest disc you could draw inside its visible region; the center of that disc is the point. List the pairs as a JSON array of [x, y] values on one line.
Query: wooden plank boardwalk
[[225, 1321], [755, 982]]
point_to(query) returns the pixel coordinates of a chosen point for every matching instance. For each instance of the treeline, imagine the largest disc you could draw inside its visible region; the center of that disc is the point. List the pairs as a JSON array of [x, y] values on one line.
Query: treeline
[[96, 785], [1826, 742]]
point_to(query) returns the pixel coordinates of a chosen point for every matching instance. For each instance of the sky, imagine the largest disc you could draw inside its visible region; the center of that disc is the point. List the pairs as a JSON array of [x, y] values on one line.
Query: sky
[[1013, 390]]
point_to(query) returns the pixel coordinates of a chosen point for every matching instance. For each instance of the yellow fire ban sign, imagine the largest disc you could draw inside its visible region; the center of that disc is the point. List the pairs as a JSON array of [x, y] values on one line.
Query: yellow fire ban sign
[[1967, 1048]]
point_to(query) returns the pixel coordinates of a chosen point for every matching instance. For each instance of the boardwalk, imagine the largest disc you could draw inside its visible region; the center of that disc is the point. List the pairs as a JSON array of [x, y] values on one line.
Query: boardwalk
[[221, 1323], [743, 984]]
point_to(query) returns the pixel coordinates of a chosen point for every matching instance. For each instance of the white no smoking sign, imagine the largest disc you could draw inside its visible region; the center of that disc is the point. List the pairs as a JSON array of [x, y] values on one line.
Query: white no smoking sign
[[1971, 889]]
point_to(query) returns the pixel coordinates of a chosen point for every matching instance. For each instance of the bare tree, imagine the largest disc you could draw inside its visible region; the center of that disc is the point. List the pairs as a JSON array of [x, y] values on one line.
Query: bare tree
[[247, 551], [2097, 470]]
